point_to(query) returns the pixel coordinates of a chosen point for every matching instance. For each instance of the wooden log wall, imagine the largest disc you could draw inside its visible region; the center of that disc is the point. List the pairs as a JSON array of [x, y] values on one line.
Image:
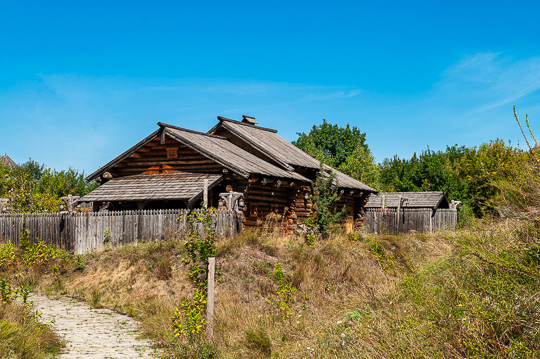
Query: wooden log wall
[[263, 199], [359, 210], [295, 205], [85, 232], [300, 207], [154, 154], [410, 219]]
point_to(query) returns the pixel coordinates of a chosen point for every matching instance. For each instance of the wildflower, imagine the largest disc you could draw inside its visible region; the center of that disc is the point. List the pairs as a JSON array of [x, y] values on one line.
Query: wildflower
[[343, 335], [339, 322]]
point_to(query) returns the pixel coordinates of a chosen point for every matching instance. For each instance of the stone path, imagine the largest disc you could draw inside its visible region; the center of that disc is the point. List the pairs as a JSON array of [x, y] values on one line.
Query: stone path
[[92, 333]]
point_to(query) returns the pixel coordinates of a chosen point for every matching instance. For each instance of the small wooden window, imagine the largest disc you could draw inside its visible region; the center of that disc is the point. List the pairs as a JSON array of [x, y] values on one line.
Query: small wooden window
[[172, 152]]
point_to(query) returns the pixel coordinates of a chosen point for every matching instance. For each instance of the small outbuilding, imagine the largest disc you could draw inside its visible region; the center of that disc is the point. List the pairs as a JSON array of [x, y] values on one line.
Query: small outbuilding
[[401, 212]]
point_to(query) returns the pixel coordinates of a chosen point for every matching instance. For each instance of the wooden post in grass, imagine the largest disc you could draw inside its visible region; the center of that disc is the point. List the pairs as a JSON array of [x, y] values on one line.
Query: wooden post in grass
[[210, 298]]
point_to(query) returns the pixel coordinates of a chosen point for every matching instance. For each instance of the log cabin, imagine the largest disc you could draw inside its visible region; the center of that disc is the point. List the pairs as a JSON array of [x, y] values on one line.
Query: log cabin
[[167, 169]]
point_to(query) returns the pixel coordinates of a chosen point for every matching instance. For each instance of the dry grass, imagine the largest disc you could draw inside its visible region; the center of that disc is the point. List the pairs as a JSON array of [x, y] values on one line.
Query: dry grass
[[23, 336], [333, 277], [461, 294]]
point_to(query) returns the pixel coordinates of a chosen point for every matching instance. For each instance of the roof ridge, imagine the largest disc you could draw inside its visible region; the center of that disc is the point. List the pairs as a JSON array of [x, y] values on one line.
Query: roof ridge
[[225, 119], [161, 124], [283, 164], [207, 153]]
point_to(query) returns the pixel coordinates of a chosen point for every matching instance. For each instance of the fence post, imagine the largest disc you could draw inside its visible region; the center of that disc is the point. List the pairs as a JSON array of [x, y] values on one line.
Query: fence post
[[205, 193], [210, 298], [398, 215]]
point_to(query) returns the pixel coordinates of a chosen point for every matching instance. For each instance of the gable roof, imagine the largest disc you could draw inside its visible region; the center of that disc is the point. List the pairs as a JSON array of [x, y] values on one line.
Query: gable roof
[[6, 161], [123, 156], [282, 151], [216, 148], [148, 187], [268, 142], [432, 199], [228, 154]]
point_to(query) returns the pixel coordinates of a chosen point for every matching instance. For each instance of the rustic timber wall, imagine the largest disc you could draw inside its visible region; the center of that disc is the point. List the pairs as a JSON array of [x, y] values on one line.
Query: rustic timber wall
[[84, 232], [418, 219], [154, 154]]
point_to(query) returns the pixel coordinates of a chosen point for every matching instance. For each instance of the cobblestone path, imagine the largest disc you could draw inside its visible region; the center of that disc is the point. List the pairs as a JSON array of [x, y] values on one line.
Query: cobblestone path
[[92, 333]]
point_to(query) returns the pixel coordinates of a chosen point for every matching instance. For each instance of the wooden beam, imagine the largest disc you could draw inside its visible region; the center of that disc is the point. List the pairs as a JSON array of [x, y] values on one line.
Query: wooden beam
[[210, 298], [162, 141]]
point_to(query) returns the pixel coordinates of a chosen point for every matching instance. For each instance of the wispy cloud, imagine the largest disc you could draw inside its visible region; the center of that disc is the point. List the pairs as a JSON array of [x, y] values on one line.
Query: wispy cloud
[[65, 115], [489, 80]]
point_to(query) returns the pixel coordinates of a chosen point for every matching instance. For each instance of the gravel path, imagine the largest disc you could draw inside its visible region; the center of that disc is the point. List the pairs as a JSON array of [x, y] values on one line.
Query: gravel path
[[92, 333]]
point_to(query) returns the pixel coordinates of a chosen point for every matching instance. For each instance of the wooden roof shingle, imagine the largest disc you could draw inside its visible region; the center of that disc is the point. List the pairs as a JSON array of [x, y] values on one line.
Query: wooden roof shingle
[[431, 199], [228, 154], [6, 161], [282, 151], [153, 187]]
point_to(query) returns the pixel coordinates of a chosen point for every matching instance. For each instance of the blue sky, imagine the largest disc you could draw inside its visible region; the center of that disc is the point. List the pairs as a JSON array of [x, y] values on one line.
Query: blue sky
[[80, 82]]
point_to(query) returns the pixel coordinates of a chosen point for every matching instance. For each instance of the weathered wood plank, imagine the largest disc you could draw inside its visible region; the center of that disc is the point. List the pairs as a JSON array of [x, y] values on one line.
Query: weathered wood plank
[[85, 232]]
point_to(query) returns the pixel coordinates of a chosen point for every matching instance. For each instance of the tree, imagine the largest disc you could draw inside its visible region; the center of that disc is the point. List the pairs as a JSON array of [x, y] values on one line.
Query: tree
[[488, 164], [330, 143], [343, 148], [33, 168], [63, 183], [361, 166], [34, 188]]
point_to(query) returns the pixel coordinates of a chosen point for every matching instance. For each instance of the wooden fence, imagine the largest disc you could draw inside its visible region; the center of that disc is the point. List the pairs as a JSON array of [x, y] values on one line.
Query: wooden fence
[[84, 232], [388, 220]]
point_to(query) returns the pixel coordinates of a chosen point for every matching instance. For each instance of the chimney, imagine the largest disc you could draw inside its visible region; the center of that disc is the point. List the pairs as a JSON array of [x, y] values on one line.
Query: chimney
[[249, 119]]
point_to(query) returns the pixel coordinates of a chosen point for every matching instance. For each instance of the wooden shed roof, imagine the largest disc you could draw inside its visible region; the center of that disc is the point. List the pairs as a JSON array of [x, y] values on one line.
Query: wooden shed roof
[[6, 161], [432, 199], [153, 187], [283, 152]]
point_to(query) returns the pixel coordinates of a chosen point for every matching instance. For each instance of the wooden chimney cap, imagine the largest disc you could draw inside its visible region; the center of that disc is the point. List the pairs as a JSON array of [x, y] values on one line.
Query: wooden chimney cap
[[249, 119]]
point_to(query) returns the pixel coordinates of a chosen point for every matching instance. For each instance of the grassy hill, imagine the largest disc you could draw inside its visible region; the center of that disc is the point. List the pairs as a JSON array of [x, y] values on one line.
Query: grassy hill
[[470, 293]]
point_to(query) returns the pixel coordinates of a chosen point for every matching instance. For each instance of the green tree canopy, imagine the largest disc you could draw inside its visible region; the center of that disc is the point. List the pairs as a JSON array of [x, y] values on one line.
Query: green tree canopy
[[331, 143], [468, 174], [343, 148], [34, 188]]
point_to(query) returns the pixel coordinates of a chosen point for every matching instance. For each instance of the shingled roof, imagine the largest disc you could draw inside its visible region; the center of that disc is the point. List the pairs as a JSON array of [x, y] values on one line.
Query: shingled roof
[[281, 151], [268, 142], [433, 199], [227, 154], [153, 187], [6, 161], [216, 148]]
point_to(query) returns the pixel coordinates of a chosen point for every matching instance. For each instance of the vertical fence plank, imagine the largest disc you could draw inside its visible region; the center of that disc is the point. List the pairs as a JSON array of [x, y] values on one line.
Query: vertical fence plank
[[387, 220], [84, 232]]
